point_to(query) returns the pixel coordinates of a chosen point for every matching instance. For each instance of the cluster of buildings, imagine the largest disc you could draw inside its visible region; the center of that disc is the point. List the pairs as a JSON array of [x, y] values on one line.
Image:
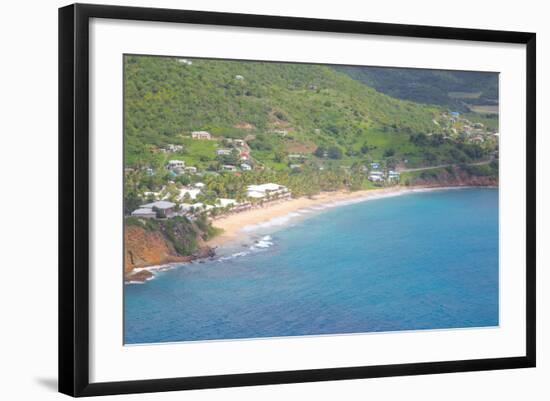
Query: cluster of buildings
[[178, 167], [241, 148], [377, 175], [189, 206], [471, 132]]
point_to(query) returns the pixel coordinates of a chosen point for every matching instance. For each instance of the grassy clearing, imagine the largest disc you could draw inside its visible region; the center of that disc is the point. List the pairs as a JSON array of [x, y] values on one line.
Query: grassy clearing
[[484, 109], [464, 95]]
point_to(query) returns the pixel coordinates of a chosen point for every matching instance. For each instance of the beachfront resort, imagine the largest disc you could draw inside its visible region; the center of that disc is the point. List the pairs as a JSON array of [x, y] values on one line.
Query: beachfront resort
[[187, 203]]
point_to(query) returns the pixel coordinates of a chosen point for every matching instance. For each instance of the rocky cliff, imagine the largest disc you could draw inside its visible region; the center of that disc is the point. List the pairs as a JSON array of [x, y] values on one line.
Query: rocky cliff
[[150, 243]]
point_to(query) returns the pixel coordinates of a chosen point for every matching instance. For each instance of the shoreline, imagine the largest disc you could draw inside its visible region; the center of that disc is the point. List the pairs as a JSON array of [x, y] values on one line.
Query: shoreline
[[234, 224]]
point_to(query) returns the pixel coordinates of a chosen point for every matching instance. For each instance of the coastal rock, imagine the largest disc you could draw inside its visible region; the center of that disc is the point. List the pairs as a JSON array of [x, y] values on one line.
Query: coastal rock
[[145, 248]]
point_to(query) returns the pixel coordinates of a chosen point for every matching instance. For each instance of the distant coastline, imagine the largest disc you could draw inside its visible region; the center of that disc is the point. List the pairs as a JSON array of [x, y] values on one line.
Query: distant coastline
[[233, 224]]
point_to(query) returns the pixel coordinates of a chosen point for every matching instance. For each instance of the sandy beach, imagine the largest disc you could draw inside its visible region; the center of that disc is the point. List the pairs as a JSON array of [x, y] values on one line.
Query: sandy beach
[[232, 224]]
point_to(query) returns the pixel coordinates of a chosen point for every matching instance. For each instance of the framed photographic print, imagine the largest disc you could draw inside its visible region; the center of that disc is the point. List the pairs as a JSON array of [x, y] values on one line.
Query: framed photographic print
[[249, 199]]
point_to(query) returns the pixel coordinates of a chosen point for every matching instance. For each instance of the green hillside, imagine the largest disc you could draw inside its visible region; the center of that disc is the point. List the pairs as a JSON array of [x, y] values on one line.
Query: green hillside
[[283, 110], [455, 89], [165, 99]]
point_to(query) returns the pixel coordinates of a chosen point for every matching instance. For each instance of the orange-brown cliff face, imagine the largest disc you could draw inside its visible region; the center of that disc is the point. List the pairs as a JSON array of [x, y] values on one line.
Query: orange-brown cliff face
[[143, 247], [146, 248]]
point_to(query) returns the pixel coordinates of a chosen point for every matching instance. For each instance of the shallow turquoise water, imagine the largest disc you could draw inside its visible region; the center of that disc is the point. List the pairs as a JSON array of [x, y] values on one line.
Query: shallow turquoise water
[[424, 260]]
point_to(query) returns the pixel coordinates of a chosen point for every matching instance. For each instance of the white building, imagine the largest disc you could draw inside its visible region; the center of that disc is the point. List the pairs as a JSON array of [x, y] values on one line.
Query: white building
[[376, 176], [224, 202], [393, 175], [201, 135], [174, 148], [229, 167], [199, 185], [223, 152], [192, 192], [176, 164], [144, 213], [246, 167], [191, 169], [160, 208], [265, 190]]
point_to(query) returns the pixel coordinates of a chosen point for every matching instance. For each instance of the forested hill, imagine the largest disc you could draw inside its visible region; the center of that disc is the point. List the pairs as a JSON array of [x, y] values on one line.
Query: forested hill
[[166, 98], [454, 89]]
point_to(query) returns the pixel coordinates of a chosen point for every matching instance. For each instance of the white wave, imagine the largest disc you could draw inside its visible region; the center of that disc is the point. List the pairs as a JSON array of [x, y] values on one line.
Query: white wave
[[262, 243], [232, 256]]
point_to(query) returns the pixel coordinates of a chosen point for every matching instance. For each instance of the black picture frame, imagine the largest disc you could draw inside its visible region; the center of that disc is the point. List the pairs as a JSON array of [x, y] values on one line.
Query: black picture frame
[[74, 199]]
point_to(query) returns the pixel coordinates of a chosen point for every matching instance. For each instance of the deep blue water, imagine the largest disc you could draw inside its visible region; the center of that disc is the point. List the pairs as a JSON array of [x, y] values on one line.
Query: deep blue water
[[424, 260]]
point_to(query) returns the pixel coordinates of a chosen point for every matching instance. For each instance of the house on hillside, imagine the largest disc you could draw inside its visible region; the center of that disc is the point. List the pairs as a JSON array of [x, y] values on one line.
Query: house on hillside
[[174, 148], [239, 142], [375, 165], [245, 167], [191, 169], [376, 176], [223, 152], [229, 167], [393, 176], [201, 135], [175, 165]]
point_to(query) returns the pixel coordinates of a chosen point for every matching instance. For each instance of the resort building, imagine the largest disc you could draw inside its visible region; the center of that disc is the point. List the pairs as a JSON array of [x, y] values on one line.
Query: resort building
[[199, 185], [201, 135], [376, 176], [269, 190], [175, 165], [201, 207], [191, 169], [246, 167], [160, 208], [224, 202], [144, 213], [191, 192]]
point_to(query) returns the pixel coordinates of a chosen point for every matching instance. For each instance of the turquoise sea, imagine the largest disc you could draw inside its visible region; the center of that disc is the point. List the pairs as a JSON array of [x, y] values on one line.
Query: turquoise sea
[[423, 260]]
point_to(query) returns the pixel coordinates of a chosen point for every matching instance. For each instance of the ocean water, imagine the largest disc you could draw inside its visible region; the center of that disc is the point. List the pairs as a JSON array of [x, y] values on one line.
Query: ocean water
[[423, 260]]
